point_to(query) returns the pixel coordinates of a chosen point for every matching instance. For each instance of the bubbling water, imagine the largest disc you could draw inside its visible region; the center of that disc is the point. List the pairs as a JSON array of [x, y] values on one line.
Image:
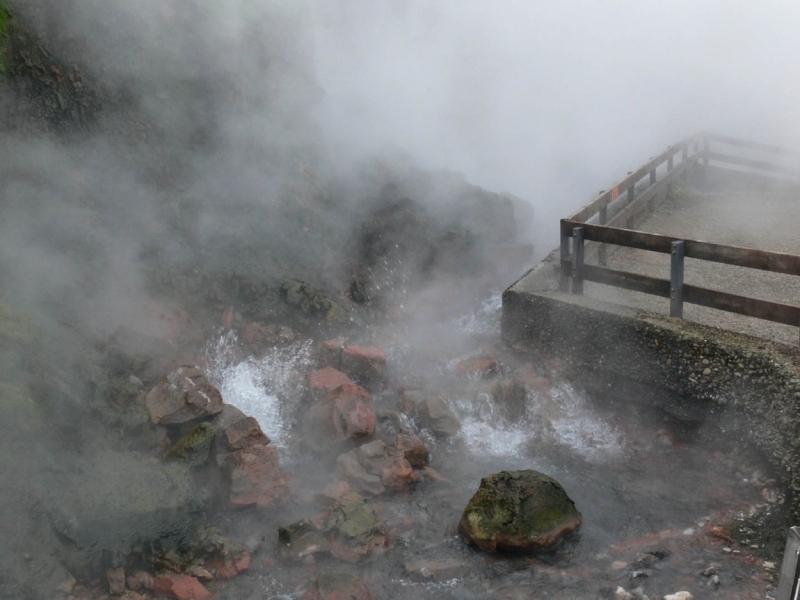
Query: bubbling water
[[266, 388]]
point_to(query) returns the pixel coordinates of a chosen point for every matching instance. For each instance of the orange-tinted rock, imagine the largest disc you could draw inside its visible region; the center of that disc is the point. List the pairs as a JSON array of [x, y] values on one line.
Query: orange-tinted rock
[[227, 318], [243, 433], [354, 416], [116, 581], [326, 380], [397, 472], [183, 395], [482, 367], [230, 566], [256, 477], [181, 587], [258, 335], [413, 450], [366, 366], [353, 529]]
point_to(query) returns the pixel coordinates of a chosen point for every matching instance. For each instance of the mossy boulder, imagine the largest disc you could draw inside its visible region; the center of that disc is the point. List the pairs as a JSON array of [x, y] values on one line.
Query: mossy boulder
[[193, 448], [354, 530], [519, 510]]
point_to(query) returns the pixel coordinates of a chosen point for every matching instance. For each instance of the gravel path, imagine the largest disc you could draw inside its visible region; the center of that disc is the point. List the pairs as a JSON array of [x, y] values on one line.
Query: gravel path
[[730, 208]]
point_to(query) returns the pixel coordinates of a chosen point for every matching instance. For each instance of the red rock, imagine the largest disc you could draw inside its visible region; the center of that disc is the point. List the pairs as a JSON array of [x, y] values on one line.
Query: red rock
[[397, 472], [243, 433], [364, 365], [183, 395], [140, 580], [181, 587], [326, 380], [353, 416], [478, 368], [333, 491], [258, 335], [231, 566], [413, 450], [256, 477]]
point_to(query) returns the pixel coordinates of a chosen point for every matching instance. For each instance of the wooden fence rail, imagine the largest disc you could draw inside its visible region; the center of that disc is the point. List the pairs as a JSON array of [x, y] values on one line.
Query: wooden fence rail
[[577, 229]]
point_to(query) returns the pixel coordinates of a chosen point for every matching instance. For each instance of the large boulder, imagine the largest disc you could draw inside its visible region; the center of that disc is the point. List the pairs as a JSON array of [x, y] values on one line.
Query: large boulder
[[184, 395], [346, 414], [519, 510], [375, 467]]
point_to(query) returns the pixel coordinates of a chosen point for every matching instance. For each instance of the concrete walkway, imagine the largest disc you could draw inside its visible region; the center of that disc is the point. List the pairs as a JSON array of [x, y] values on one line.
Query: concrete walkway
[[729, 208]]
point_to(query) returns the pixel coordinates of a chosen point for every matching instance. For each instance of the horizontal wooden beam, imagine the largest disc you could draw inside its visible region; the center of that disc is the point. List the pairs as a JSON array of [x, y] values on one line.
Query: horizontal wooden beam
[[751, 258], [753, 164], [776, 312], [608, 196]]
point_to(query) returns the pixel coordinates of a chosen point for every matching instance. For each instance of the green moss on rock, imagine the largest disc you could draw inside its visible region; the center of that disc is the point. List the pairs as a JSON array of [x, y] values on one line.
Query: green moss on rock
[[519, 510], [194, 447], [5, 17]]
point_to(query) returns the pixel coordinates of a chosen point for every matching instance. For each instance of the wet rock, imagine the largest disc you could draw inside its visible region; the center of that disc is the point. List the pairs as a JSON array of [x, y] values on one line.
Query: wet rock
[[181, 587], [309, 299], [622, 594], [354, 530], [323, 382], [481, 367], [237, 432], [338, 586], [116, 581], [684, 595], [375, 467], [256, 477], [435, 570], [413, 449], [511, 396], [257, 336], [193, 448], [519, 510], [333, 491], [230, 564], [330, 353], [301, 539], [182, 396], [346, 413], [366, 366], [435, 414]]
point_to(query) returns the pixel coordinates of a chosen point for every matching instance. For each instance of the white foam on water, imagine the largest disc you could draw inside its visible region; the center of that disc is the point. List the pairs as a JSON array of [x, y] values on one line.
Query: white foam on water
[[484, 320], [265, 388]]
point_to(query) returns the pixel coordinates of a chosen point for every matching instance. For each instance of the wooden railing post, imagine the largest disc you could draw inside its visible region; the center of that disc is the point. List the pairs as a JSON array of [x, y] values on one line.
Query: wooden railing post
[[669, 163], [653, 177], [563, 283], [602, 251], [577, 265], [676, 279], [706, 146]]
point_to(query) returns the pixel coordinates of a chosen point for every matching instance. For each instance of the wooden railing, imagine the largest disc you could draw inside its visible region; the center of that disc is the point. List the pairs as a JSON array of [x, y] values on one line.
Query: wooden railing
[[612, 216]]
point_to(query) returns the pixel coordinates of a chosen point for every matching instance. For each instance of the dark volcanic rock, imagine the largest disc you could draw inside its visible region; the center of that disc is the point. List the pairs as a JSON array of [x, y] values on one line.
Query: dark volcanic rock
[[182, 396], [193, 448], [518, 510], [300, 539]]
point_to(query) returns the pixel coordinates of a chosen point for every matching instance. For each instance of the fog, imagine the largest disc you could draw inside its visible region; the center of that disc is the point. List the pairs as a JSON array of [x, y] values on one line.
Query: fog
[[552, 101]]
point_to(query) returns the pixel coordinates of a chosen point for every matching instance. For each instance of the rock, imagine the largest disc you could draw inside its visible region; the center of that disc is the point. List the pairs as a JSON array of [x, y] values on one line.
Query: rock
[[307, 298], [193, 448], [323, 382], [140, 580], [435, 570], [366, 366], [413, 450], [229, 565], [257, 336], [511, 396], [333, 491], [256, 478], [182, 396], [129, 352], [181, 587], [684, 595], [338, 586], [482, 367], [435, 414], [353, 529], [301, 539], [622, 594], [239, 434], [374, 467], [519, 510], [330, 353], [116, 581], [345, 414]]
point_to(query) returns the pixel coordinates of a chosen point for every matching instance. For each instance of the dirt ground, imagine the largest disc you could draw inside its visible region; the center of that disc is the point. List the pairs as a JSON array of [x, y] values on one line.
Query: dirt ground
[[728, 208]]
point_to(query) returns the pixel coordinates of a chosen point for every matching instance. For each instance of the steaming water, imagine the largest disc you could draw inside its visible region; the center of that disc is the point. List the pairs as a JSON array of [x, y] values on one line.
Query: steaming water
[[265, 388]]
